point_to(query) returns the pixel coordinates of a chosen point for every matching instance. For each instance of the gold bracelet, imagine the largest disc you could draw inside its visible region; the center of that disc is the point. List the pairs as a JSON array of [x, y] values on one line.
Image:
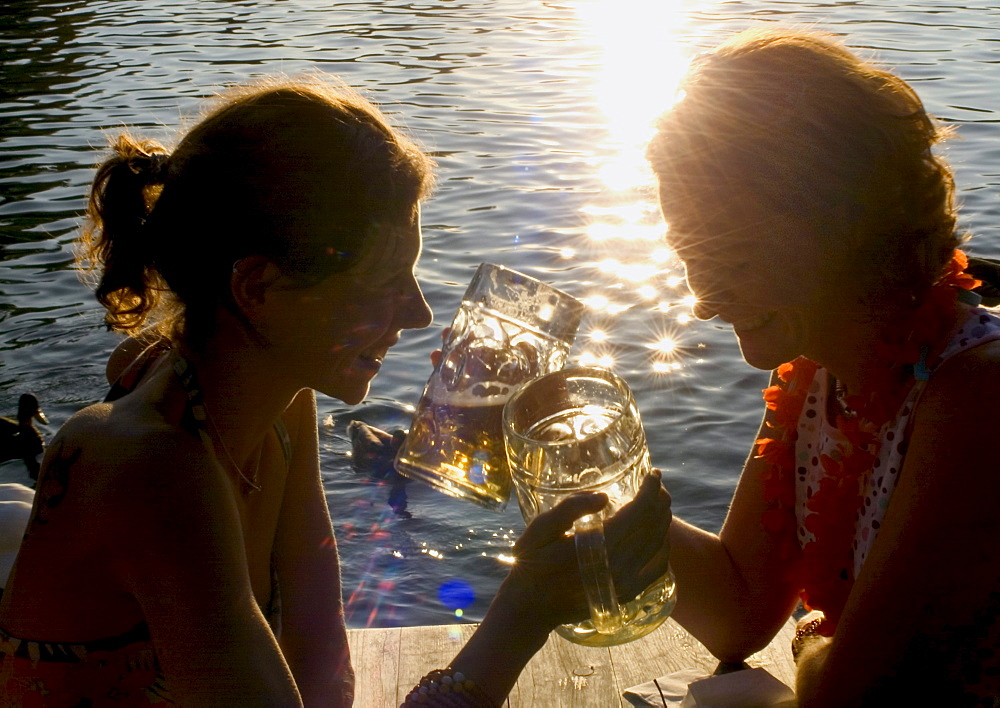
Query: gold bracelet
[[445, 687]]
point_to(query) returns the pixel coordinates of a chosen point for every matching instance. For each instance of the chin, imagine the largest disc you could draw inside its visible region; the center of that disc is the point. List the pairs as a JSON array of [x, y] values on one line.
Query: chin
[[765, 360], [353, 398], [351, 395], [767, 349]]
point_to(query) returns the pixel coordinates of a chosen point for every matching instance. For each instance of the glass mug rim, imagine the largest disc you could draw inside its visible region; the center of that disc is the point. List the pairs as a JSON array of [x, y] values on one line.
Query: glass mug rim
[[573, 307], [595, 372]]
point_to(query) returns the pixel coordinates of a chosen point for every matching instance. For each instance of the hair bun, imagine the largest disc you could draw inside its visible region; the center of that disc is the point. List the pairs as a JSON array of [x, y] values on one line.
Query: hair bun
[[152, 167]]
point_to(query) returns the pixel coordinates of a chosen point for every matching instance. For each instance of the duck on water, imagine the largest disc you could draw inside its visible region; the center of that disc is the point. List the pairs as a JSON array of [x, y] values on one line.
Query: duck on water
[[19, 439]]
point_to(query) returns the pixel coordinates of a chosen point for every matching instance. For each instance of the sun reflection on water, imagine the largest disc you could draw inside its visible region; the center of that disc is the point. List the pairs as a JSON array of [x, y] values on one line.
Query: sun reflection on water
[[643, 59], [642, 63]]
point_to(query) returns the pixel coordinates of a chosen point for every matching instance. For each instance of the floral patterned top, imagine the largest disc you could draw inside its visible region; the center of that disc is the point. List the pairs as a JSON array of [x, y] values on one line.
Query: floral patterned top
[[817, 436]]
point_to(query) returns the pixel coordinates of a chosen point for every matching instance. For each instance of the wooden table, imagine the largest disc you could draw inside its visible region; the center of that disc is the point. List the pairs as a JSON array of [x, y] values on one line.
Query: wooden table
[[389, 662]]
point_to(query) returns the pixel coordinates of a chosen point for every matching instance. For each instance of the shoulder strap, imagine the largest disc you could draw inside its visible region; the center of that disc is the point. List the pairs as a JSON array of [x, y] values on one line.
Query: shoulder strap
[[286, 442]]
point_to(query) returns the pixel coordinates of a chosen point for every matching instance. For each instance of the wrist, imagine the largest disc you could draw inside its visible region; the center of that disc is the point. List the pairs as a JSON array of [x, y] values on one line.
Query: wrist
[[501, 646], [516, 611], [522, 600], [807, 635]]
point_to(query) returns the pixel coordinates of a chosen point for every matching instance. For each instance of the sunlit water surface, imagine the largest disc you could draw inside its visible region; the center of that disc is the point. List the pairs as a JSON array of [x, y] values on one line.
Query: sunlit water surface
[[536, 113]]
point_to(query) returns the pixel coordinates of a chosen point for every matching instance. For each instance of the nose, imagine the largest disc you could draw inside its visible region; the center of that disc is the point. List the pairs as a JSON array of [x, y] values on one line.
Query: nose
[[707, 290], [414, 312]]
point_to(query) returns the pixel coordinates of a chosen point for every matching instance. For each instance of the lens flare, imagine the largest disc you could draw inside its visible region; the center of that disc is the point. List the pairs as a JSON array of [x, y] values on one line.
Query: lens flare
[[456, 594]]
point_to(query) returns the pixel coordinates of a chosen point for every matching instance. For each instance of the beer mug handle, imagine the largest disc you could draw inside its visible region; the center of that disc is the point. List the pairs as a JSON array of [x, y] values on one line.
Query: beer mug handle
[[598, 585]]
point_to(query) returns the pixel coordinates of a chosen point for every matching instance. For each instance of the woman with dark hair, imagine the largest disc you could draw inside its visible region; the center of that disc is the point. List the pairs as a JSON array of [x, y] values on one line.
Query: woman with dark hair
[[180, 546], [803, 194], [180, 529]]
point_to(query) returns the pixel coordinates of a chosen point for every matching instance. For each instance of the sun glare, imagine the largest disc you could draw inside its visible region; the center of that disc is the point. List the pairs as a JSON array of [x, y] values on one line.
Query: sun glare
[[642, 65], [643, 55], [603, 361], [665, 345]]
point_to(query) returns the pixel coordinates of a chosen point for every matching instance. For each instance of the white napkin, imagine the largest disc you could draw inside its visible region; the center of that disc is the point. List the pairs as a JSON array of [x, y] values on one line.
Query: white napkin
[[750, 688]]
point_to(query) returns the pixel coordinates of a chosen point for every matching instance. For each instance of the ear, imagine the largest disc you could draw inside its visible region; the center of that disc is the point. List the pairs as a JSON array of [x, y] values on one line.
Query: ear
[[252, 279]]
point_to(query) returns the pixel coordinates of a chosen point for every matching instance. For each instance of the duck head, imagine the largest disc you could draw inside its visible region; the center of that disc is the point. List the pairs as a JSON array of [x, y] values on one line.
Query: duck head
[[28, 408]]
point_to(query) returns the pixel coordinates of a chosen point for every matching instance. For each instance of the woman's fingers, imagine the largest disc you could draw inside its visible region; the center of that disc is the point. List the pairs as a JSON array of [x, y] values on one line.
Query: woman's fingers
[[638, 538], [649, 510], [630, 580], [436, 354], [553, 524], [644, 532]]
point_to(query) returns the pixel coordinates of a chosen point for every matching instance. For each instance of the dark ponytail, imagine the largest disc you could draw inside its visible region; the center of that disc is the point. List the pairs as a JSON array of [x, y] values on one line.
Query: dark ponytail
[[113, 240], [306, 173]]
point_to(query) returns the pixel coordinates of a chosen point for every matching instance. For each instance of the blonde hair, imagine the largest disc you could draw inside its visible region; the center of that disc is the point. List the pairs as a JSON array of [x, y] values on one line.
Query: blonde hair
[[793, 123], [163, 231]]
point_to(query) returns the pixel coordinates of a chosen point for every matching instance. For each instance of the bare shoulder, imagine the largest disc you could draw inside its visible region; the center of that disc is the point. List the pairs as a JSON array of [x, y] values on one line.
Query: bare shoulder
[[128, 432], [123, 458], [925, 602], [950, 475], [963, 392], [116, 490], [301, 412], [133, 351], [300, 422], [970, 376]]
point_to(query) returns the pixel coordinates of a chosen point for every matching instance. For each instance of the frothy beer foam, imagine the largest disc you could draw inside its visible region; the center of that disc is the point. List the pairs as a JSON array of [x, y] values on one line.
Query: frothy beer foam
[[440, 394]]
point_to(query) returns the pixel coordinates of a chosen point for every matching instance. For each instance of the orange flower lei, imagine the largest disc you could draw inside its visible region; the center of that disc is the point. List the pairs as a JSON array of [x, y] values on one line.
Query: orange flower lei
[[824, 572]]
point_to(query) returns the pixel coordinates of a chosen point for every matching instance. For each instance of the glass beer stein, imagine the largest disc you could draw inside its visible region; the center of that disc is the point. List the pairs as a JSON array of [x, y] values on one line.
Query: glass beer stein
[[578, 430], [509, 329]]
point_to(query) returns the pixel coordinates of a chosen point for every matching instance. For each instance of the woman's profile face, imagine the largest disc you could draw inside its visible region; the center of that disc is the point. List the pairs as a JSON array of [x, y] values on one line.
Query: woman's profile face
[[764, 277], [336, 334]]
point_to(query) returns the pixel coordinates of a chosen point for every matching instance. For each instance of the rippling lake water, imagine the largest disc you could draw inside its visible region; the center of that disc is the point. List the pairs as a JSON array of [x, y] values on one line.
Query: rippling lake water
[[536, 113]]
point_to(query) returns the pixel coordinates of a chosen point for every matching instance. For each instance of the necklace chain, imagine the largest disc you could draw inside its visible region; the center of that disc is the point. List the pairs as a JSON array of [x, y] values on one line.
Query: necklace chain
[[189, 380], [252, 480], [840, 396]]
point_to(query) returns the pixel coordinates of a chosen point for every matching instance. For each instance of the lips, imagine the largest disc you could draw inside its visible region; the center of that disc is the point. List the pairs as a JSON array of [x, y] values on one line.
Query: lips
[[370, 360], [750, 324]]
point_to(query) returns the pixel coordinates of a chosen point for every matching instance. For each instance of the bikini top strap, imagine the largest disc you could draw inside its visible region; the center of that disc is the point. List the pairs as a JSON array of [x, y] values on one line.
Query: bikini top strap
[[194, 417], [281, 430], [196, 409]]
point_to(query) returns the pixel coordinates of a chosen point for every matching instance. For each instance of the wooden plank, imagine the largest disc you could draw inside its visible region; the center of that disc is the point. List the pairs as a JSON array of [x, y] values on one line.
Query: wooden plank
[[389, 662], [375, 655], [776, 657], [566, 674], [423, 649], [668, 649], [672, 648]]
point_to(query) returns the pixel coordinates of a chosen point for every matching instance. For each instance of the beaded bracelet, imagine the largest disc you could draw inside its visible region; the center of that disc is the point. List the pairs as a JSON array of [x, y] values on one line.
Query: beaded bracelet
[[448, 688], [804, 633]]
